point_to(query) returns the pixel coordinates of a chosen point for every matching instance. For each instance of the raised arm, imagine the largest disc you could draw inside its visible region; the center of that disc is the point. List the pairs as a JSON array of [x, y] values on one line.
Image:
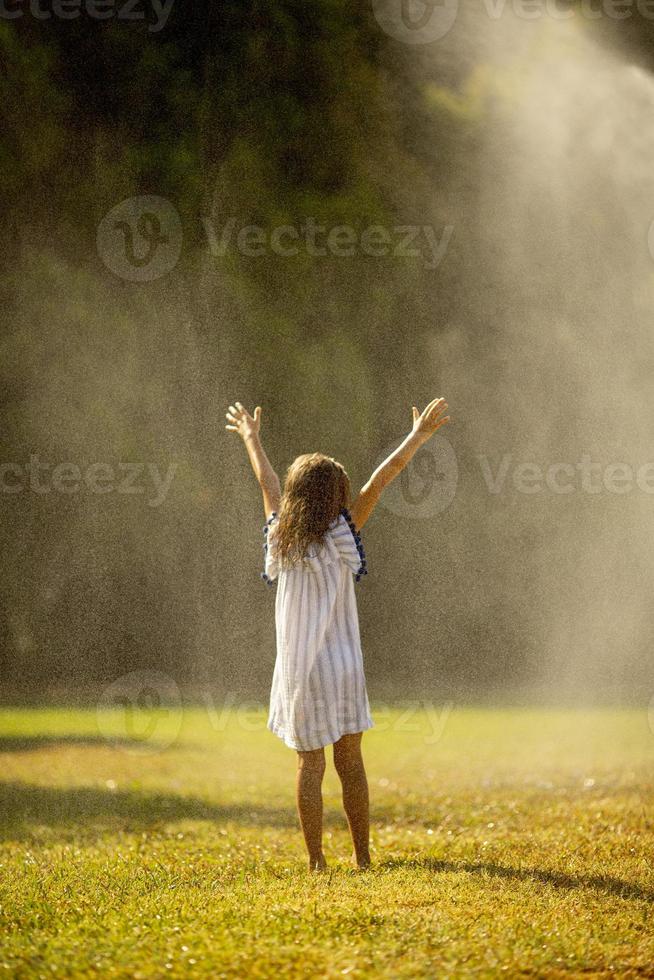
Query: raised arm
[[425, 425], [239, 420]]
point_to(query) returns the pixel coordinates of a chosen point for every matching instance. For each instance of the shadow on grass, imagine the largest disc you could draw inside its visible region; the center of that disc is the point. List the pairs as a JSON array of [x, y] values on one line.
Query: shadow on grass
[[24, 807], [558, 879], [32, 743]]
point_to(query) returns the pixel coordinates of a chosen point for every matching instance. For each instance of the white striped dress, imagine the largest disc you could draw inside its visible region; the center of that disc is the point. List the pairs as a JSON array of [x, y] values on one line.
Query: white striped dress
[[318, 688]]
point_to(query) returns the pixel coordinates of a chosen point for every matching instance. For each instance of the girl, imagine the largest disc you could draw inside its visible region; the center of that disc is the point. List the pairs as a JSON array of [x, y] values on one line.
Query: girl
[[314, 550]]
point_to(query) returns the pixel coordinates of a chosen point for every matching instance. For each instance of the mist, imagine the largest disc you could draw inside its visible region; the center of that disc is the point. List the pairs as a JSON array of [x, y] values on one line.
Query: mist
[[518, 153]]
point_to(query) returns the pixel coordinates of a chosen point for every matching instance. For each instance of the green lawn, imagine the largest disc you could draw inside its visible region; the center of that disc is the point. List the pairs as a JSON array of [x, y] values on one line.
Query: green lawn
[[517, 843]]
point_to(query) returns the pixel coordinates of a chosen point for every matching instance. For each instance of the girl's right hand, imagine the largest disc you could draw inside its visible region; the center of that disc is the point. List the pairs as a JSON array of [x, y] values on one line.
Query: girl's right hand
[[242, 422], [432, 418]]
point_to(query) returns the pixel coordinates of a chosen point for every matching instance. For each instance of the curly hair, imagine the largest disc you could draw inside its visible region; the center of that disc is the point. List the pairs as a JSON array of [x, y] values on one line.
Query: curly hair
[[316, 490]]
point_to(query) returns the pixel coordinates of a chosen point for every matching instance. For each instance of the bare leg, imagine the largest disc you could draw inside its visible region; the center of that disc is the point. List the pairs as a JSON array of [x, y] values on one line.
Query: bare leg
[[349, 766], [310, 770]]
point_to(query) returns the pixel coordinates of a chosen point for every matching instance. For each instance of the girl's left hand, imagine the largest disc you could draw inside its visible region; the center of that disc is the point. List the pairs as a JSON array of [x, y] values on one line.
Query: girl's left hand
[[425, 423], [242, 422]]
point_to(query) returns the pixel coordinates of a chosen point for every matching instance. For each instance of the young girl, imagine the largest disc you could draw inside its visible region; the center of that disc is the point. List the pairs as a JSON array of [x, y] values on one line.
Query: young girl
[[314, 550]]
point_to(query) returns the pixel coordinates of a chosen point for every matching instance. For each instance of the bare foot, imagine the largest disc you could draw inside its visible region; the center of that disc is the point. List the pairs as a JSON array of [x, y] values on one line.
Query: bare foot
[[361, 861], [318, 865]]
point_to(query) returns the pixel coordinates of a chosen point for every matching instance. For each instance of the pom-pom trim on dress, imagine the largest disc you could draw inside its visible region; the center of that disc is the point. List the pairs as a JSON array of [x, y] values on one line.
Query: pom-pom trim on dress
[[363, 564], [266, 529]]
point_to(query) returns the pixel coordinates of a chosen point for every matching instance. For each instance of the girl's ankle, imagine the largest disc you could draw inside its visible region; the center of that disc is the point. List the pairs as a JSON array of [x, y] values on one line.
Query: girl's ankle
[[362, 859], [317, 863]]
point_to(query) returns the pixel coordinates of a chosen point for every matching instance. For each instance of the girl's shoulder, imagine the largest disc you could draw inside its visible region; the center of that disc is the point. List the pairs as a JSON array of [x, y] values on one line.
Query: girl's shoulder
[[344, 525], [347, 542], [337, 525]]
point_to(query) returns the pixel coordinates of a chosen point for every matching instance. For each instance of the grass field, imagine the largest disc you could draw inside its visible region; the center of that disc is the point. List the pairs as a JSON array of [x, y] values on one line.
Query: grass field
[[516, 843]]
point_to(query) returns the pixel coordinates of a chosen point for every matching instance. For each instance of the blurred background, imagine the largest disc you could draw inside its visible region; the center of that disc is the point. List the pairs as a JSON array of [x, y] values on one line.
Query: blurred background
[[335, 210]]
